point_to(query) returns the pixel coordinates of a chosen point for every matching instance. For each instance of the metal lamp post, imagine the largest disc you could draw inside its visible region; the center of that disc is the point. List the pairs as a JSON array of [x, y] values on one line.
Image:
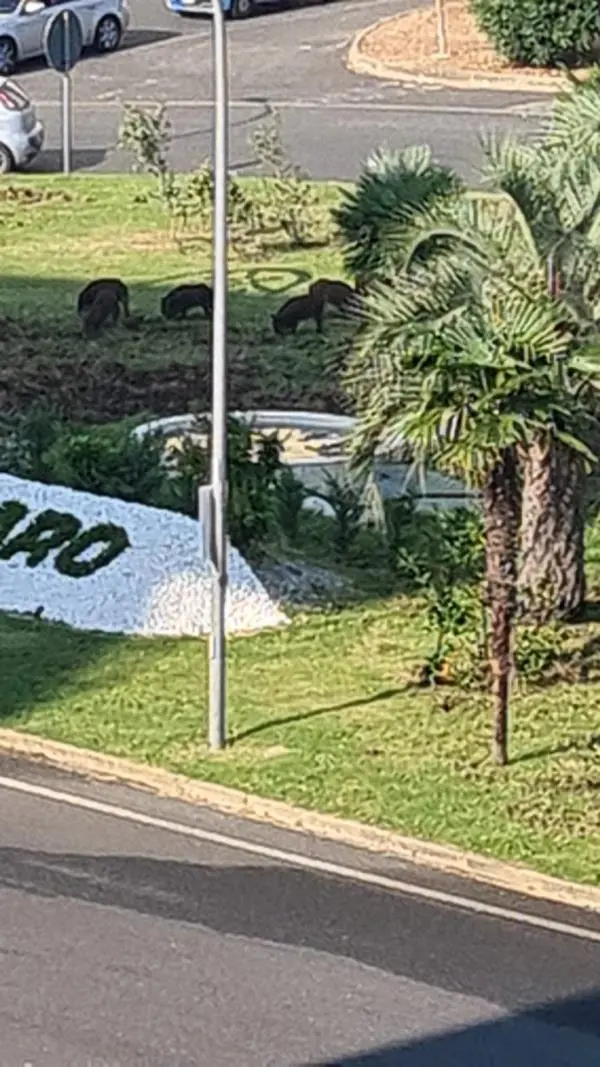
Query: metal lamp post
[[218, 509]]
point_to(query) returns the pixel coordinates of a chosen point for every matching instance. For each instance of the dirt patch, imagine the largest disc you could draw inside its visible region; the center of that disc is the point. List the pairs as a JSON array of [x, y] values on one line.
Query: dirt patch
[[30, 195], [103, 391], [408, 44]]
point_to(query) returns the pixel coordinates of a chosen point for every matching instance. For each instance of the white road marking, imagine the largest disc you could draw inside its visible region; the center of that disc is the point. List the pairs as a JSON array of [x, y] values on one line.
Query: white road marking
[[297, 859], [299, 105]]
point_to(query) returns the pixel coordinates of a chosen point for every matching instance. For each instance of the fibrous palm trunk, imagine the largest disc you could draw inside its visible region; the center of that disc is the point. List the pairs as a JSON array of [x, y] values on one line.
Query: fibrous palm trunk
[[551, 576], [501, 515]]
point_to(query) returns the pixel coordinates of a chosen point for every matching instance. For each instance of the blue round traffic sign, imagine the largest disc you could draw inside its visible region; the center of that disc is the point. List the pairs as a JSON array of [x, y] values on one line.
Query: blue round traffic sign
[[63, 41]]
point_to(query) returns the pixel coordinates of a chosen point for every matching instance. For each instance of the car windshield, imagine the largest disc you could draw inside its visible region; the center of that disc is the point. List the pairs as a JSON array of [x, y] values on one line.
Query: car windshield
[[8, 6]]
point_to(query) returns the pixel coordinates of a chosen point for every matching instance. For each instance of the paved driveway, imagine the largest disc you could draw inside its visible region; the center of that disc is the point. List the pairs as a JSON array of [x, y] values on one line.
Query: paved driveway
[[293, 57]]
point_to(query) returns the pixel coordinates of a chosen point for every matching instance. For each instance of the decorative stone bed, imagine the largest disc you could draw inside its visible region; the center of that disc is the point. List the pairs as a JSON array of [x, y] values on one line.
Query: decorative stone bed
[[98, 563]]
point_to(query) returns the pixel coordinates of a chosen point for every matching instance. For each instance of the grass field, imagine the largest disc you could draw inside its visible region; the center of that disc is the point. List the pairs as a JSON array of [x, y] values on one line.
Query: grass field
[[324, 713], [55, 236]]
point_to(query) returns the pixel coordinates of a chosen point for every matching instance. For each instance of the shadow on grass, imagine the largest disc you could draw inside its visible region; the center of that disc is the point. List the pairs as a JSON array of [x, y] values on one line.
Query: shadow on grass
[[38, 659], [360, 702], [555, 750], [590, 613]]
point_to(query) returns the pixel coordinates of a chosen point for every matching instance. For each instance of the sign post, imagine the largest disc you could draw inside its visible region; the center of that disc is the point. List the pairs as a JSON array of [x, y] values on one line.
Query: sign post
[[217, 712], [63, 45]]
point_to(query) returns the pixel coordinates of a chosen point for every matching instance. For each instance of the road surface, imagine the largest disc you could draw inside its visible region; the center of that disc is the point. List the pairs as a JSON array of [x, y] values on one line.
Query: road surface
[[292, 57], [137, 931]]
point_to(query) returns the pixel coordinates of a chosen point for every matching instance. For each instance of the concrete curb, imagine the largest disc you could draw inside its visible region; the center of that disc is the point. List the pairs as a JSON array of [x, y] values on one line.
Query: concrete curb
[[358, 63], [443, 858]]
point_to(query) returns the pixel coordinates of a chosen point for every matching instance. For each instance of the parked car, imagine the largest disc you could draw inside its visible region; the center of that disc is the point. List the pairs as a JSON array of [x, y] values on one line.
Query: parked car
[[23, 23], [21, 132], [234, 9]]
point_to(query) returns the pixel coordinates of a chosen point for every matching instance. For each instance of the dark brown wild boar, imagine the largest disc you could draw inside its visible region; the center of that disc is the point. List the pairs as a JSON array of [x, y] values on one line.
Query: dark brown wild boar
[[299, 309]]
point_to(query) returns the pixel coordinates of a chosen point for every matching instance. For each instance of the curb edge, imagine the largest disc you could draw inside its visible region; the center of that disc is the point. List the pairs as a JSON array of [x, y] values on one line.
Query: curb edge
[[358, 63], [445, 859]]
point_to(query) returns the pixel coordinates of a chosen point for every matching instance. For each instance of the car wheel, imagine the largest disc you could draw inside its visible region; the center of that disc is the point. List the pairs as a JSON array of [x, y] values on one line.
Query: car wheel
[[8, 55], [108, 34], [241, 9], [7, 162]]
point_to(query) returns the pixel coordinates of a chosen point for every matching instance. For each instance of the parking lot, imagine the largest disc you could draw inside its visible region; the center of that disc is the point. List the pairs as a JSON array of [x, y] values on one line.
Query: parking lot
[[292, 57]]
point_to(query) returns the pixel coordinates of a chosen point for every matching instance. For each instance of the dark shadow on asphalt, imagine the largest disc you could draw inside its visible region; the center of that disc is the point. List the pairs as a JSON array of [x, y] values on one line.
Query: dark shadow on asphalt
[[551, 1034], [360, 702], [264, 111], [135, 38], [444, 947], [278, 7], [140, 38], [50, 161]]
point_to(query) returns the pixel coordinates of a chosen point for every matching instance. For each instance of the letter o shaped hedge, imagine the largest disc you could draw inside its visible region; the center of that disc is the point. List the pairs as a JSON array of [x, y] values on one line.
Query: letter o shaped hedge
[[113, 537]]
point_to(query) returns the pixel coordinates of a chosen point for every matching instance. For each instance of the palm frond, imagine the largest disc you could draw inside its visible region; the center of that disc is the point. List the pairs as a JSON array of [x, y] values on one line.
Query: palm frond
[[392, 188], [575, 122]]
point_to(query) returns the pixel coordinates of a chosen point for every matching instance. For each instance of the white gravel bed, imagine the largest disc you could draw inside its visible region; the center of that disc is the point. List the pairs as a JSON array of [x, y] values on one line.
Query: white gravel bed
[[158, 585]]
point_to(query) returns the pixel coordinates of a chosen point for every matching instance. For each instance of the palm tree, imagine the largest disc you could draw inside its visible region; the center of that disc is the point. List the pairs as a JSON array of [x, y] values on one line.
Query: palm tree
[[557, 193], [467, 370], [393, 188], [546, 200]]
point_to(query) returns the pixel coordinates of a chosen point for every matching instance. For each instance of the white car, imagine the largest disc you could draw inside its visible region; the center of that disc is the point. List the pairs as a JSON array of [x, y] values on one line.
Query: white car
[[23, 23], [21, 132]]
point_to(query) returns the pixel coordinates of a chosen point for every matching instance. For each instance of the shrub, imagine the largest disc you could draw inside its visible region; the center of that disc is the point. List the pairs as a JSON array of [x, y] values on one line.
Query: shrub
[[290, 496], [345, 497], [441, 554], [25, 439], [539, 33]]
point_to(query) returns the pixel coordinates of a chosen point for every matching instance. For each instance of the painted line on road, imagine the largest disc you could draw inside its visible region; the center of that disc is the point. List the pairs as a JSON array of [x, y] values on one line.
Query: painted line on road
[[297, 859], [304, 105]]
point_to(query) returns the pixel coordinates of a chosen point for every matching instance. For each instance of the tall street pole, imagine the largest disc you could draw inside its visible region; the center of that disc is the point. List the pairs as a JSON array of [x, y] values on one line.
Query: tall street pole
[[218, 653]]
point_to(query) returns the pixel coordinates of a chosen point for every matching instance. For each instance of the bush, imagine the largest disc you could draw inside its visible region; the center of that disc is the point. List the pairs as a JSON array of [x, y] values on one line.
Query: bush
[[441, 554], [540, 33], [108, 461]]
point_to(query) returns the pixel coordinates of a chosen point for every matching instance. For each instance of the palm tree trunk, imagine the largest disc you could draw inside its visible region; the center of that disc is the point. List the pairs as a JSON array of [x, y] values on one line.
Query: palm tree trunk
[[552, 576], [501, 515]]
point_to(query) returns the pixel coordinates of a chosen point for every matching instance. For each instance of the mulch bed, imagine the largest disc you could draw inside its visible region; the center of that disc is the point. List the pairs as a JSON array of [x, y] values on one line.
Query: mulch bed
[[409, 43], [108, 390]]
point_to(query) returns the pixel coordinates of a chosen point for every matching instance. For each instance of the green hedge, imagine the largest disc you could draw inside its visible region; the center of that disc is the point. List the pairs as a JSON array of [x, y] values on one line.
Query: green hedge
[[540, 33]]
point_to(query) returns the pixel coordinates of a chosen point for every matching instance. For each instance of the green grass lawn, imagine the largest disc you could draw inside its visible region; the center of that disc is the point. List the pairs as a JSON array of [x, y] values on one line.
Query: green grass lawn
[[57, 235], [323, 713]]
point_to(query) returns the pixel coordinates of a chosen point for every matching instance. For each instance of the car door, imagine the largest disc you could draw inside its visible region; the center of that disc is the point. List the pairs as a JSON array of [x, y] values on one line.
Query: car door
[[87, 13], [32, 27]]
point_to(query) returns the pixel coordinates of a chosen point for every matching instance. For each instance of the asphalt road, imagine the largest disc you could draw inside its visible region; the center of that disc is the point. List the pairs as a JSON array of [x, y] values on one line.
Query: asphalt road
[[138, 934], [292, 57]]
